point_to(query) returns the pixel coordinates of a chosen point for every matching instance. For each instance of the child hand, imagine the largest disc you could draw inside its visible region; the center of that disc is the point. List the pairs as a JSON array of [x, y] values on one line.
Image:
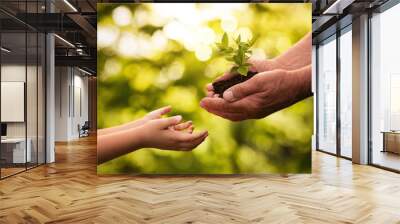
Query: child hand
[[166, 133], [156, 114], [185, 126], [136, 123]]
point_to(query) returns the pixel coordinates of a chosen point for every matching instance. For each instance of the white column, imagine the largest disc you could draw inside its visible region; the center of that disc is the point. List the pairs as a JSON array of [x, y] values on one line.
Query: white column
[[360, 90], [50, 93], [50, 99]]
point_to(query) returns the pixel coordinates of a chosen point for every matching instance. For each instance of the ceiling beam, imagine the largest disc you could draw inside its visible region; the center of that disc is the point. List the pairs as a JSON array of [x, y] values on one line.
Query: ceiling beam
[[78, 61], [86, 27], [337, 7]]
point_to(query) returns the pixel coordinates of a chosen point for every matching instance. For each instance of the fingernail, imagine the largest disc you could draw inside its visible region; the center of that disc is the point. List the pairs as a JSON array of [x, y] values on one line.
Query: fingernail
[[178, 117], [228, 95]]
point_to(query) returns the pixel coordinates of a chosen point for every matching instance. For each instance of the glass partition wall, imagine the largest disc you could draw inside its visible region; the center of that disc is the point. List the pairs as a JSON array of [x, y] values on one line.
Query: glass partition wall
[[22, 88], [13, 110]]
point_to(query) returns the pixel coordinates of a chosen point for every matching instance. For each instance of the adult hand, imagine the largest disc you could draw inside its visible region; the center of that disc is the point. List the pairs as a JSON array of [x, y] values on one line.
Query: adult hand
[[256, 66], [261, 95], [158, 133], [296, 57]]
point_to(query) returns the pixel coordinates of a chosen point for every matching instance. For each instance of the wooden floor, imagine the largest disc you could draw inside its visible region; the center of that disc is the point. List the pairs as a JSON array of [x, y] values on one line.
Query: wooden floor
[[387, 159], [70, 192], [10, 171]]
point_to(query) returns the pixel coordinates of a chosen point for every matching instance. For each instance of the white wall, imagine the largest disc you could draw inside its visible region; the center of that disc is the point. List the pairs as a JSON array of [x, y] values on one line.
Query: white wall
[[71, 94], [62, 81]]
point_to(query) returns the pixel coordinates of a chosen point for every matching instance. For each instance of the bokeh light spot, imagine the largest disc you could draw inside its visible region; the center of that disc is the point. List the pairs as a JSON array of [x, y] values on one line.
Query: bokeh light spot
[[122, 16], [106, 36], [203, 53], [229, 24]]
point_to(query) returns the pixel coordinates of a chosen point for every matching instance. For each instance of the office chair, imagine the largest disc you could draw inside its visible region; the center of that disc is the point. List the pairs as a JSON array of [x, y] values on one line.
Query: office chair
[[84, 130]]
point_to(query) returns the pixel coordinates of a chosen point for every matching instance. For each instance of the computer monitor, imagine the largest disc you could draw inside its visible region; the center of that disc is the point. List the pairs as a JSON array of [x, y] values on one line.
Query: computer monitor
[[3, 129]]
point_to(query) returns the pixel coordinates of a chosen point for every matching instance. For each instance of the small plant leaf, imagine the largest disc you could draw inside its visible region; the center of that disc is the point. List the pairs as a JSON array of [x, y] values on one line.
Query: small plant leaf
[[236, 59], [229, 50], [238, 40], [234, 69], [238, 53], [252, 41], [232, 59], [241, 57], [225, 41], [243, 70], [245, 46]]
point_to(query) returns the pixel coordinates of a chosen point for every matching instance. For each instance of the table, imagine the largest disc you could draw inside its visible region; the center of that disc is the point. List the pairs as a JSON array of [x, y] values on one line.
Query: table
[[391, 141], [15, 148]]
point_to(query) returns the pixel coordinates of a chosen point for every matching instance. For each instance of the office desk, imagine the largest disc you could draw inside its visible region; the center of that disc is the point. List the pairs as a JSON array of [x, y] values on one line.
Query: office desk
[[13, 150], [391, 141]]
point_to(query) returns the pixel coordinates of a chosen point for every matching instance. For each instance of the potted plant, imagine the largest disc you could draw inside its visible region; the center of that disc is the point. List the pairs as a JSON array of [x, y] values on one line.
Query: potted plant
[[237, 52]]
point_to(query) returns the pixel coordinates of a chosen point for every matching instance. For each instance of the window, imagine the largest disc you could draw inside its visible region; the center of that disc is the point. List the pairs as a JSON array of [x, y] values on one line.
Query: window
[[327, 95], [385, 89], [346, 74]]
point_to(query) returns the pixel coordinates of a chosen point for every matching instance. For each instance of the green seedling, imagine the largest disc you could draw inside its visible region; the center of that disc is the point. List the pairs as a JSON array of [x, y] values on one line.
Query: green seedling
[[237, 52]]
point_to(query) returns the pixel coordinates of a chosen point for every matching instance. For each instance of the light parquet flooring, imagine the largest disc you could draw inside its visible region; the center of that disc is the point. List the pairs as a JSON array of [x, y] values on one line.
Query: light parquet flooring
[[69, 191]]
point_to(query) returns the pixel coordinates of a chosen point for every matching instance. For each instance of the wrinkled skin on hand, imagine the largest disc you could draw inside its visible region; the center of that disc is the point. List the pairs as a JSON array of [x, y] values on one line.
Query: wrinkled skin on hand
[[260, 96]]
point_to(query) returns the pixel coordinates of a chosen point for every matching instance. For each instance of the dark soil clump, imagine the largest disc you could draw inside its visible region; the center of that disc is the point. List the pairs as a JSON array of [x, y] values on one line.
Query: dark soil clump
[[221, 86]]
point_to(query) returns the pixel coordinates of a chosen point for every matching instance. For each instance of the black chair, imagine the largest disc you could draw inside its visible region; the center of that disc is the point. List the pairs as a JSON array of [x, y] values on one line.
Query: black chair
[[84, 130]]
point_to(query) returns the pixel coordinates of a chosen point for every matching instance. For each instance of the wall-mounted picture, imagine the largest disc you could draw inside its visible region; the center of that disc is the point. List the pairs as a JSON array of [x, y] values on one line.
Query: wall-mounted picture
[[204, 88]]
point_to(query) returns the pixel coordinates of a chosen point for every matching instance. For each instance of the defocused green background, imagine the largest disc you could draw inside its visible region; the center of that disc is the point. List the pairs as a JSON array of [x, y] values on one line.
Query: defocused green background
[[152, 55]]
